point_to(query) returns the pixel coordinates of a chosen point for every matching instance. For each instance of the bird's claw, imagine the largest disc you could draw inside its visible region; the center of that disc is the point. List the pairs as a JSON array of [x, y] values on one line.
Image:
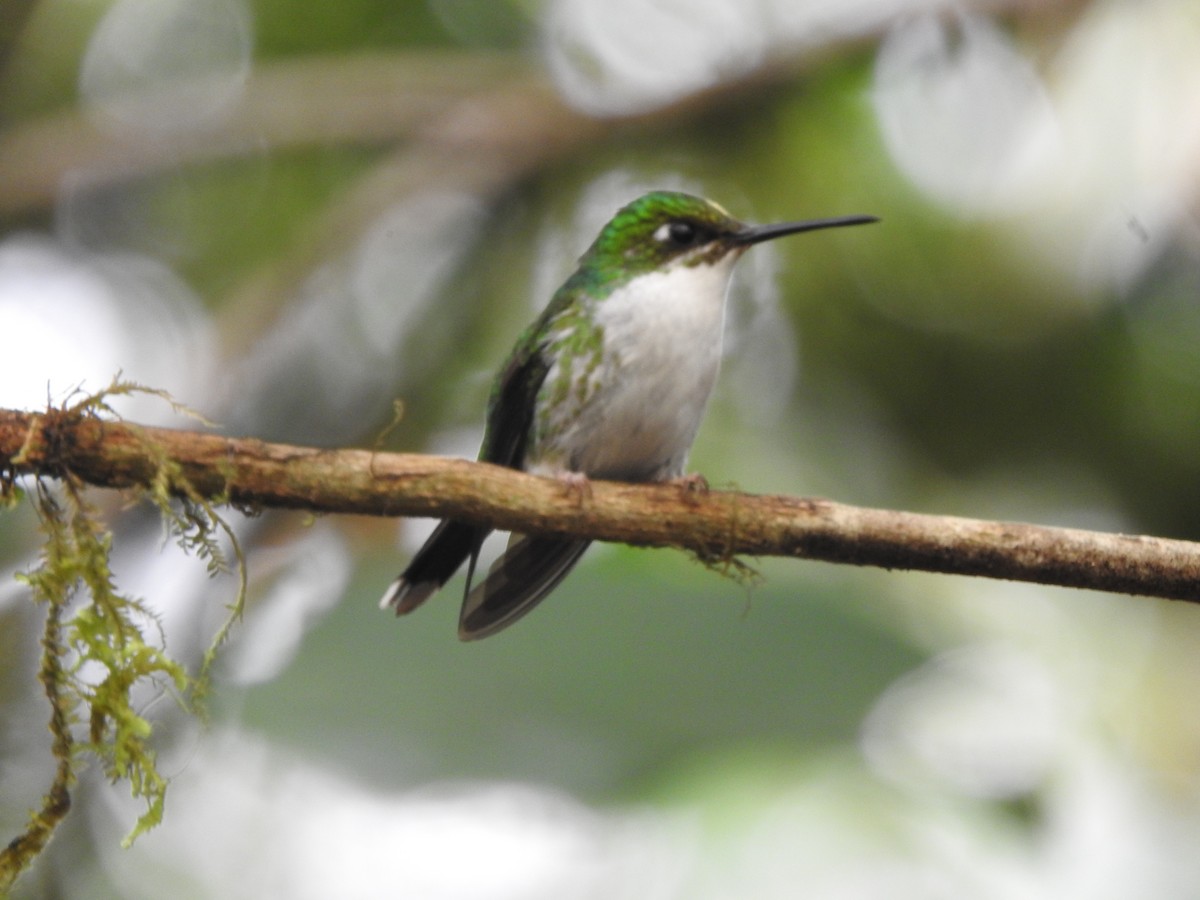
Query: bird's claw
[[577, 485], [691, 486]]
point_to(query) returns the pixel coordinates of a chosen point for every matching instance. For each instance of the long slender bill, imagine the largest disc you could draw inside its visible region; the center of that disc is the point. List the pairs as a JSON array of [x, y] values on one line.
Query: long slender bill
[[756, 234]]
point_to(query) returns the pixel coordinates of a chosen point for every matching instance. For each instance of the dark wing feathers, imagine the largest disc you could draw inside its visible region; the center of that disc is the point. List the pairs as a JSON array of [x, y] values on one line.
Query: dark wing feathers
[[505, 441], [511, 406]]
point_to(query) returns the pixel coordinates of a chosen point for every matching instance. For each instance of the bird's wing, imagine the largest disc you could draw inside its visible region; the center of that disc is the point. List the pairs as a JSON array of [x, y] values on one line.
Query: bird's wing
[[530, 567], [513, 402], [510, 416]]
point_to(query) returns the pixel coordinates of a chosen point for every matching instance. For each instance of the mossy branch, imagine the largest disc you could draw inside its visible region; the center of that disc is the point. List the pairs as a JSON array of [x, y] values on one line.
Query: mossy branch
[[716, 525], [187, 473]]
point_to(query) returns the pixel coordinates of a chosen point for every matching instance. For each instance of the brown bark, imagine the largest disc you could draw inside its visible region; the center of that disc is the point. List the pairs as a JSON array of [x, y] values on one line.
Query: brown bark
[[715, 524]]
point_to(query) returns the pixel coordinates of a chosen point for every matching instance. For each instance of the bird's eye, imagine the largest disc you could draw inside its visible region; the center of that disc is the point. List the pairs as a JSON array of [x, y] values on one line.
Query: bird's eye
[[679, 233], [682, 232]]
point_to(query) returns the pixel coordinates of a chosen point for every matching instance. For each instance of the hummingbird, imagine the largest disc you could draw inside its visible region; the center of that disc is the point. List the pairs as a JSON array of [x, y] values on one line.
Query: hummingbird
[[610, 382]]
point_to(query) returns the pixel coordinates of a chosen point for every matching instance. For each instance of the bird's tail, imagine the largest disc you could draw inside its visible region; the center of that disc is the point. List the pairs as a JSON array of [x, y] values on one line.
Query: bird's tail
[[450, 545], [529, 569]]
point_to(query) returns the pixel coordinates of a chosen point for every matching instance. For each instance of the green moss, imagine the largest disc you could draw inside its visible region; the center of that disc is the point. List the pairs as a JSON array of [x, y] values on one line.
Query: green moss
[[115, 634]]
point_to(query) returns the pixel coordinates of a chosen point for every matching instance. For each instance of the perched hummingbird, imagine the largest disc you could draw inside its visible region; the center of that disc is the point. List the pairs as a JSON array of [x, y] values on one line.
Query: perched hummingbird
[[610, 382]]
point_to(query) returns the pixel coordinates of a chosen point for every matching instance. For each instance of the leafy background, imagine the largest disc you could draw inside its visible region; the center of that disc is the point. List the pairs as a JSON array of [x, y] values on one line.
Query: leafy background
[[291, 215]]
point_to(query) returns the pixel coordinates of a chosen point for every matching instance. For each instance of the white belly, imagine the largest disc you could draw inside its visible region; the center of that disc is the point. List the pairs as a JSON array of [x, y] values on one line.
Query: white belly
[[661, 352]]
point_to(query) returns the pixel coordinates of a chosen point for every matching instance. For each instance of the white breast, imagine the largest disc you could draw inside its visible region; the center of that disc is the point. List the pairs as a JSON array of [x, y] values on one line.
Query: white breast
[[661, 353]]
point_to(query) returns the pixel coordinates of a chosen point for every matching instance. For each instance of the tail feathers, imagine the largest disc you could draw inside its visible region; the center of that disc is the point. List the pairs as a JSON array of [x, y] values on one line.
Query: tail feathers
[[450, 545], [527, 571]]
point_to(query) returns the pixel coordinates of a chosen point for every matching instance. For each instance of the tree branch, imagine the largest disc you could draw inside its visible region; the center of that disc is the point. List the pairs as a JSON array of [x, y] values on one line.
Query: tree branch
[[714, 524]]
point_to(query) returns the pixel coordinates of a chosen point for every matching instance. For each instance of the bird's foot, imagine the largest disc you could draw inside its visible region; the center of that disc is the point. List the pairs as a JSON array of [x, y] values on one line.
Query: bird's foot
[[691, 486], [577, 485]]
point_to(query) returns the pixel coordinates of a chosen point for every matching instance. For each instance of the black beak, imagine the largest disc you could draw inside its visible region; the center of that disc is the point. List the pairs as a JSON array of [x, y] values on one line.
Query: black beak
[[756, 234]]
